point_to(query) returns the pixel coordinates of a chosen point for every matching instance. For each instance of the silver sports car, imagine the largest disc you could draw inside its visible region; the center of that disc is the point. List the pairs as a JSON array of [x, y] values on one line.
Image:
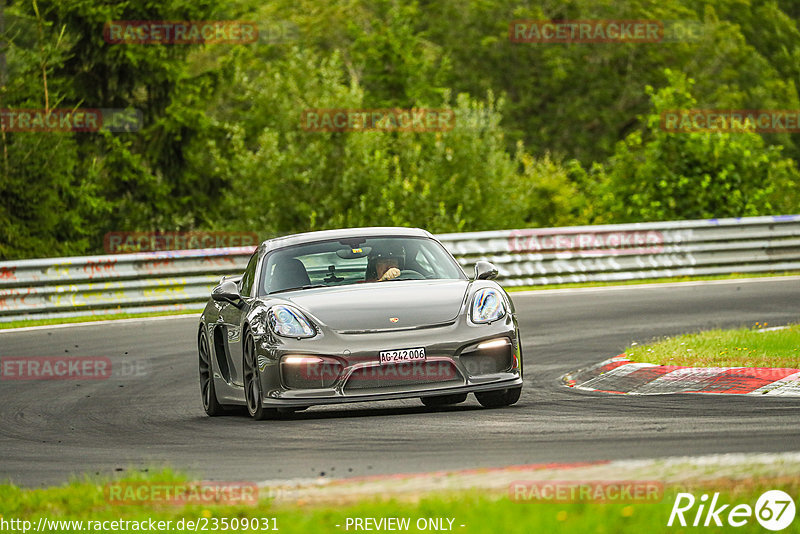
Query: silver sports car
[[361, 314]]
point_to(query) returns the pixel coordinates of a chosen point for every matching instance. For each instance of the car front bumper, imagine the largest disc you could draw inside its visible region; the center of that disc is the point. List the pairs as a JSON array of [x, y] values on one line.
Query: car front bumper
[[349, 370]]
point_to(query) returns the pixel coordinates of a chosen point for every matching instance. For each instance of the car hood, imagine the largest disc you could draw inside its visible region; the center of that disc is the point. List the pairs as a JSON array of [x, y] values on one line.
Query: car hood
[[372, 306]]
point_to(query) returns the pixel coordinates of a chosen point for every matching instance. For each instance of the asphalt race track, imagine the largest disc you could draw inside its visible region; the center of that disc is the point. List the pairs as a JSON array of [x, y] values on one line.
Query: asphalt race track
[[151, 416]]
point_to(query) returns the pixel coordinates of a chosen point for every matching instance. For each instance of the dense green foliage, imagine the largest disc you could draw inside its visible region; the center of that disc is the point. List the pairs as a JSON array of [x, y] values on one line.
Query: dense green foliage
[[545, 134]]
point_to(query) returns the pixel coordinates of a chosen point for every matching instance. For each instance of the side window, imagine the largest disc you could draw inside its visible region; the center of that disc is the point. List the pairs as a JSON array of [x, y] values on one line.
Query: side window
[[246, 284]]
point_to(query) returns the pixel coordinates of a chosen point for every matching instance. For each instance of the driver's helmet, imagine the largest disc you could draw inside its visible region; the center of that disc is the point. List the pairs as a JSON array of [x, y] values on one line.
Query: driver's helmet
[[386, 250]]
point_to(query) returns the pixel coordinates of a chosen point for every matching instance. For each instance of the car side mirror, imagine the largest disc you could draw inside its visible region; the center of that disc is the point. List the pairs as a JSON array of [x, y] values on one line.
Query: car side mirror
[[485, 271], [227, 291]]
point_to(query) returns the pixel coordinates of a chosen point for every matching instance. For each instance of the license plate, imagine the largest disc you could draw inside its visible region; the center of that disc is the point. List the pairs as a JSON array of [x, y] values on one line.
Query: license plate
[[401, 355]]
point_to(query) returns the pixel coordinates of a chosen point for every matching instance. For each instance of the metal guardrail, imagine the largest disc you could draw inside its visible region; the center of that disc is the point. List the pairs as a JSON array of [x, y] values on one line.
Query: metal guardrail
[[182, 279], [122, 283], [618, 252]]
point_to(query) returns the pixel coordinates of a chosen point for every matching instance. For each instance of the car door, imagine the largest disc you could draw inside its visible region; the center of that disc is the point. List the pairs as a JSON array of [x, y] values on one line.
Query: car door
[[232, 318]]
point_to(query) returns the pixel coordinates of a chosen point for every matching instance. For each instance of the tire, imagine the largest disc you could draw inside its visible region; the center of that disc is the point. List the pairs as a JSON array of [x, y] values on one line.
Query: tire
[[208, 393], [444, 400], [254, 396], [498, 398]]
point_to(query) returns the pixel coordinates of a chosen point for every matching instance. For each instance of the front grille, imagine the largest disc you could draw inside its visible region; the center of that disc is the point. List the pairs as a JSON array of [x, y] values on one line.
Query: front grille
[[404, 374]]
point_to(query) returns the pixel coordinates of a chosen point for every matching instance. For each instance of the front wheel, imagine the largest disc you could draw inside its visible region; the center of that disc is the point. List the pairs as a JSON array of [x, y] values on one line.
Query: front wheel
[[252, 383], [498, 398]]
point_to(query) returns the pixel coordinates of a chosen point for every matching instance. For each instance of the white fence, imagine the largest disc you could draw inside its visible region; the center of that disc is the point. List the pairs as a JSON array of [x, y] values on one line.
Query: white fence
[[182, 279]]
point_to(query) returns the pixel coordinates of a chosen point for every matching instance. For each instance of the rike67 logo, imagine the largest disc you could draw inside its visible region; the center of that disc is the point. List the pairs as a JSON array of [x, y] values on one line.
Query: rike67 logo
[[774, 510]]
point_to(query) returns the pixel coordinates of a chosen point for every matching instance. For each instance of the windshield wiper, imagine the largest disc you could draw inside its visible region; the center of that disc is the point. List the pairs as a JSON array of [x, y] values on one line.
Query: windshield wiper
[[310, 286]]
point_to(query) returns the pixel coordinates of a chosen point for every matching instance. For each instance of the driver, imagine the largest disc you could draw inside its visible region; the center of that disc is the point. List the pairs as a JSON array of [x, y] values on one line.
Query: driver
[[387, 264], [387, 268]]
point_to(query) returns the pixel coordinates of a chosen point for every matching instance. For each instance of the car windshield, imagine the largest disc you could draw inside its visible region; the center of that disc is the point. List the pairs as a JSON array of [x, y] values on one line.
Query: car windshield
[[354, 261]]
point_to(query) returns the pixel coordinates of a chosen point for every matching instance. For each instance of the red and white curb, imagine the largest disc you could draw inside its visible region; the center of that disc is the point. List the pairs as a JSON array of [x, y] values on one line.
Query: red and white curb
[[620, 375]]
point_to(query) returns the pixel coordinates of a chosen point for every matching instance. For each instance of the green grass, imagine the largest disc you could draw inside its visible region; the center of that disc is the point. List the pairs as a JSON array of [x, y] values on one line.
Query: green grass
[[479, 512], [91, 318], [733, 276], [744, 347]]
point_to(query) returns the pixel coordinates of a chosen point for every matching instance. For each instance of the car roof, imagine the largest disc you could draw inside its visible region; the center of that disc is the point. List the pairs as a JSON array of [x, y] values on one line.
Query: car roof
[[325, 235]]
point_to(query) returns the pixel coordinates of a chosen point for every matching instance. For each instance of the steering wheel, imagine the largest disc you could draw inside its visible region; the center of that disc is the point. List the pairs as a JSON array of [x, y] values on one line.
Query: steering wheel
[[410, 274]]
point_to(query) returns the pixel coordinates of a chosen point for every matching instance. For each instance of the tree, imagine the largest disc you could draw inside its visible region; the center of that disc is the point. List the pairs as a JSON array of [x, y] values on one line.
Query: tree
[[49, 198], [286, 179], [657, 175]]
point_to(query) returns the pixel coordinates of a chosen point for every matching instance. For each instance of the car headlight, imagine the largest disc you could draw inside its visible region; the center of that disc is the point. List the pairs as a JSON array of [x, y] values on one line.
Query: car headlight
[[289, 322], [487, 306]]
